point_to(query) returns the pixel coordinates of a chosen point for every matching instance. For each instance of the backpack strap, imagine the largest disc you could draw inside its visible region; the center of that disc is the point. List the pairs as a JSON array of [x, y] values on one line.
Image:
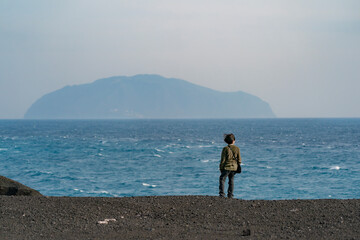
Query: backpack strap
[[232, 153], [238, 170]]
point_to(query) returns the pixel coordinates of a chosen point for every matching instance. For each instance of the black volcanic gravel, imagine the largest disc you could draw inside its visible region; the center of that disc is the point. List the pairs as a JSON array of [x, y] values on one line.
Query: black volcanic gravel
[[176, 217]]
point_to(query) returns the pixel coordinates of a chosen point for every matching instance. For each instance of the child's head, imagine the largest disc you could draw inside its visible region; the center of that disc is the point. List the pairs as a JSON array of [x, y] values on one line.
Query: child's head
[[229, 138]]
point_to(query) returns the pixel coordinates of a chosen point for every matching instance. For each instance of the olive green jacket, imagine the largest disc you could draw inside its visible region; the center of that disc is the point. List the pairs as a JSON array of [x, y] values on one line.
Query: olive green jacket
[[227, 161]]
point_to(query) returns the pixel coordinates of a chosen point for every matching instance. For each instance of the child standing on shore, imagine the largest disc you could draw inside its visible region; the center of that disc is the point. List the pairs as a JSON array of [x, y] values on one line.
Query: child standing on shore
[[230, 158]]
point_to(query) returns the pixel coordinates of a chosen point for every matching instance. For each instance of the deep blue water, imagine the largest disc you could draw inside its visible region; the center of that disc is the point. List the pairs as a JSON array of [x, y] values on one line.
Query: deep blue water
[[282, 158]]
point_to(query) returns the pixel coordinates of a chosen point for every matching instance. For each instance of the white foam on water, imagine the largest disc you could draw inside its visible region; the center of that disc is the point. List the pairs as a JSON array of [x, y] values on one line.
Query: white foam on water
[[159, 150], [105, 192], [210, 160], [187, 146], [148, 185], [268, 167], [3, 149], [157, 155], [171, 145], [205, 146], [79, 190], [335, 168]]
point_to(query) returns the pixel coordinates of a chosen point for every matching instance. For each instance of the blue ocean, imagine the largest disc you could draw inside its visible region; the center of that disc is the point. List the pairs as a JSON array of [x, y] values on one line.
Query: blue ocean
[[282, 158]]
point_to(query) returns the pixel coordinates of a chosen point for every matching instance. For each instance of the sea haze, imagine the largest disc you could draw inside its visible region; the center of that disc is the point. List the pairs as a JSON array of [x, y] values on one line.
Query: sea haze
[[282, 158]]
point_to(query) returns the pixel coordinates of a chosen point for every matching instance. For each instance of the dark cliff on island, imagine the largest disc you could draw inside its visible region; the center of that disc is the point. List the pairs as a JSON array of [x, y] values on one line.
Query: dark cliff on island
[[146, 96]]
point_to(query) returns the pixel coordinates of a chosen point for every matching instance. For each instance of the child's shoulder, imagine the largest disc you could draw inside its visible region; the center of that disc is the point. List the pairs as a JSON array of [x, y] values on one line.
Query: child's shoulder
[[231, 147], [234, 146], [227, 148]]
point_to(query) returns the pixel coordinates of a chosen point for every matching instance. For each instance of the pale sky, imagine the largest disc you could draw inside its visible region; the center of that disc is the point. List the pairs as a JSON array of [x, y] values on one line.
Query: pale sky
[[301, 56]]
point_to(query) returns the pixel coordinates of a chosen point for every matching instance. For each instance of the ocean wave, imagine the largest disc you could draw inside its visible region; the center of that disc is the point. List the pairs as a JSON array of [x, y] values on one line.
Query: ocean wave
[[96, 192], [78, 190], [149, 185], [159, 150], [35, 173], [3, 149], [157, 155], [209, 160], [335, 168], [101, 192], [171, 145]]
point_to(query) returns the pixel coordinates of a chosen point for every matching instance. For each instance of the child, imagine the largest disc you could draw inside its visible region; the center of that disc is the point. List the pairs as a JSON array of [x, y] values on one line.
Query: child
[[230, 158]]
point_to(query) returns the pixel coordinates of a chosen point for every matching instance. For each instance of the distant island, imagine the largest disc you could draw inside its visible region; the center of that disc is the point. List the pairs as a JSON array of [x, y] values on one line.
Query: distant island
[[146, 96]]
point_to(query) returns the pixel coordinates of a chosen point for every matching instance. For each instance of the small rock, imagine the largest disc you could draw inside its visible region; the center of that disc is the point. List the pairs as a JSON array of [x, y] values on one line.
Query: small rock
[[246, 232], [106, 221], [110, 219], [102, 222]]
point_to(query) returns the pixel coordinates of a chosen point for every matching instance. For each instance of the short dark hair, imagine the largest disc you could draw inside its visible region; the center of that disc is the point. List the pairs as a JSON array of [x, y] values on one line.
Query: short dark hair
[[229, 138]]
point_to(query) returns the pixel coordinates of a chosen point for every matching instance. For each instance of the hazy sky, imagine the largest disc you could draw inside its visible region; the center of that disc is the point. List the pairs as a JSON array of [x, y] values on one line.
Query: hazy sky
[[301, 56]]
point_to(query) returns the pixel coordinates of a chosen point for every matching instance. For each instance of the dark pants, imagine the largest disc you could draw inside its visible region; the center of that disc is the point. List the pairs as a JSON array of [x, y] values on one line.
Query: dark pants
[[223, 176]]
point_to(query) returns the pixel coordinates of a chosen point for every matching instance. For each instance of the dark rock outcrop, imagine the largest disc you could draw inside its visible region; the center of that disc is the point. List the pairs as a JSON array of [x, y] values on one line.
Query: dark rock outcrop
[[10, 187]]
